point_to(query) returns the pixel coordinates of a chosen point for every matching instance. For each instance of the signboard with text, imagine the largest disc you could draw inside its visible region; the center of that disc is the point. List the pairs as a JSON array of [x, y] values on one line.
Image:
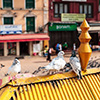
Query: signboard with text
[[10, 29], [76, 0], [63, 27], [72, 17]]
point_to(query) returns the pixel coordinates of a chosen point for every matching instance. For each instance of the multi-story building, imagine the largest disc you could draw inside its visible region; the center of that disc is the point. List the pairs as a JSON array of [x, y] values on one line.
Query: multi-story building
[[23, 26], [64, 27]]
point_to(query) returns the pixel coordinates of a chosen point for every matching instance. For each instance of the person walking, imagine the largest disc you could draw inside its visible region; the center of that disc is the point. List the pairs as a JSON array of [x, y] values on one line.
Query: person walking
[[49, 55]]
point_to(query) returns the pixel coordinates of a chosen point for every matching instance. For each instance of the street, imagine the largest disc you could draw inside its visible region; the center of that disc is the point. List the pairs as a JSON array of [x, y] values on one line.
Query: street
[[31, 63]]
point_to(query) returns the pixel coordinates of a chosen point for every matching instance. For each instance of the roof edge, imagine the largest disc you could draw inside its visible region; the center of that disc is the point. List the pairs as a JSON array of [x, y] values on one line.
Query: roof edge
[[37, 79]]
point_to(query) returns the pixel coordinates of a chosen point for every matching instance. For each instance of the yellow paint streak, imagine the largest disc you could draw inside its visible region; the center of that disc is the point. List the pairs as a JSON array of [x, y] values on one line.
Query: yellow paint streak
[[26, 93], [38, 92], [86, 90], [82, 91], [91, 86], [34, 92], [14, 98], [42, 92], [64, 90], [18, 96], [53, 91], [21, 92], [49, 91], [61, 91], [75, 89], [67, 89], [70, 88], [29, 92], [45, 91]]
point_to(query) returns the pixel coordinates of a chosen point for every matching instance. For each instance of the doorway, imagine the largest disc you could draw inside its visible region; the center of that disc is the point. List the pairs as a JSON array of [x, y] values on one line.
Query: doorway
[[24, 48], [95, 39], [1, 49], [63, 36]]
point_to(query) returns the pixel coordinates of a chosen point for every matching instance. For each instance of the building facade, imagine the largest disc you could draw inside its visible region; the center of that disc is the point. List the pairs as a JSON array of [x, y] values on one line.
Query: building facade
[[23, 26], [64, 31]]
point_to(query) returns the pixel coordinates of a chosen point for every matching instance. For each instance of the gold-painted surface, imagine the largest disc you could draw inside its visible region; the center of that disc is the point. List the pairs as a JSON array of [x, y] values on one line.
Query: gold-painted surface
[[84, 59], [37, 79], [84, 50], [87, 88], [7, 92]]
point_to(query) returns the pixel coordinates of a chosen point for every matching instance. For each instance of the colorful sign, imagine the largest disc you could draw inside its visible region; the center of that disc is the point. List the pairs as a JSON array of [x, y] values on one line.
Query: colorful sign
[[10, 29], [72, 17], [76, 0], [62, 27]]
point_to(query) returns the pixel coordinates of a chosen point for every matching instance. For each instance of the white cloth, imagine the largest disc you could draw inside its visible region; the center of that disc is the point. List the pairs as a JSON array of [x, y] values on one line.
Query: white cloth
[[50, 50], [60, 47], [36, 48]]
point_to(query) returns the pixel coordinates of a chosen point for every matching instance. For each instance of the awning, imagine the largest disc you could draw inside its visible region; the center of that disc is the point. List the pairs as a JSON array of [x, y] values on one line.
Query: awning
[[24, 37], [92, 29]]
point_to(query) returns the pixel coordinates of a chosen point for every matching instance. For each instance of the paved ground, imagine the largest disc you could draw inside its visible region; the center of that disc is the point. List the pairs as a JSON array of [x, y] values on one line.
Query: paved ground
[[31, 63]]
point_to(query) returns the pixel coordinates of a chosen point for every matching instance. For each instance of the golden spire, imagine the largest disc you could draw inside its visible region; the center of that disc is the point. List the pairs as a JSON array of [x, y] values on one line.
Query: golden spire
[[84, 50]]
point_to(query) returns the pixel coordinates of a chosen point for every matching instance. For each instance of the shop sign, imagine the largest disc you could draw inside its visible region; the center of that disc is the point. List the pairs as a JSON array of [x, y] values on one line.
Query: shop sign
[[72, 17], [10, 29], [76, 0], [62, 27]]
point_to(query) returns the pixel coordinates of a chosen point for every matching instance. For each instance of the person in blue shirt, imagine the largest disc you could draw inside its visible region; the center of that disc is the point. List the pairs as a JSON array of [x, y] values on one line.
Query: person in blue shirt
[[58, 48]]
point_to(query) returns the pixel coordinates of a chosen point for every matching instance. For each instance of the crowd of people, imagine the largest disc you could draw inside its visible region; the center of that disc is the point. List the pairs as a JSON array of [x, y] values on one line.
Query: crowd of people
[[58, 47]]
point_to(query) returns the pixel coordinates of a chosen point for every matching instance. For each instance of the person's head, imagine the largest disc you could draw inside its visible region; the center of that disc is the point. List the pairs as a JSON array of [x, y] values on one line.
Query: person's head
[[65, 42], [45, 46]]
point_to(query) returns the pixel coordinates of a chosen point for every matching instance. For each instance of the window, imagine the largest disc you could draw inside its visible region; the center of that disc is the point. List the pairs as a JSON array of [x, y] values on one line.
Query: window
[[87, 9], [99, 5], [60, 8], [30, 3], [7, 4], [8, 20], [30, 24]]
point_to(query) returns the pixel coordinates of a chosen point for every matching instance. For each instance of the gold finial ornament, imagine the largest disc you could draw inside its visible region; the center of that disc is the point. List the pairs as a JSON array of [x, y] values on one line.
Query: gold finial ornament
[[84, 50]]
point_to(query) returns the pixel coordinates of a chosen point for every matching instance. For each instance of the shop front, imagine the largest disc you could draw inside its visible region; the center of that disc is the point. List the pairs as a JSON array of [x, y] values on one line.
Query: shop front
[[63, 32], [14, 42], [22, 44]]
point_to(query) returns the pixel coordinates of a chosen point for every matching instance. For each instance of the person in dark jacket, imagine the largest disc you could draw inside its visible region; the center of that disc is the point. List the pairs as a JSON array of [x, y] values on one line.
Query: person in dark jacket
[[49, 55]]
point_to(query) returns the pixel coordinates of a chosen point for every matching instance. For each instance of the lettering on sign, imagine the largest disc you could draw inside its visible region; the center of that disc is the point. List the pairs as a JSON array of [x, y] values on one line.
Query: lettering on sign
[[72, 17], [62, 26]]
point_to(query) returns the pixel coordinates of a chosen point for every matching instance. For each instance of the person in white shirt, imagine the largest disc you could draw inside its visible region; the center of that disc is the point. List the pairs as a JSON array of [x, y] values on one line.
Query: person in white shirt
[[60, 47]]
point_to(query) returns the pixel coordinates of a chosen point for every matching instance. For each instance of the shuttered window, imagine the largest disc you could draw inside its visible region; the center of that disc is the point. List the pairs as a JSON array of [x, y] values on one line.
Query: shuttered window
[[60, 8], [86, 9], [8, 20], [30, 4], [7, 4], [30, 24]]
